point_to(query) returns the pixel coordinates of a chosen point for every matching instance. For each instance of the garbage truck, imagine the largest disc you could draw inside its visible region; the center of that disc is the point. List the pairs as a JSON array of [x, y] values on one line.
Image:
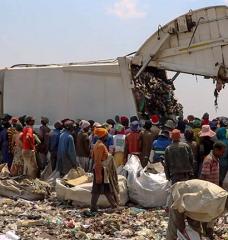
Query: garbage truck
[[194, 43]]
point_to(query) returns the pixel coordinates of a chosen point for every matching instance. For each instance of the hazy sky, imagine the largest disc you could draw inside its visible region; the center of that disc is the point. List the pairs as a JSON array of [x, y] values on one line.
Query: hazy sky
[[58, 31]]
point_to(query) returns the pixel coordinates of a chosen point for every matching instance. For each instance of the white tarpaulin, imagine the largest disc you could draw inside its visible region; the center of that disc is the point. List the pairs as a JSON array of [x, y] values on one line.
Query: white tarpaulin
[[145, 189]]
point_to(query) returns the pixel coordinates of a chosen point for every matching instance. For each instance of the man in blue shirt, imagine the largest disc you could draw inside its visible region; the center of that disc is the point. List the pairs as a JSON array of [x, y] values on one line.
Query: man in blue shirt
[[54, 143]]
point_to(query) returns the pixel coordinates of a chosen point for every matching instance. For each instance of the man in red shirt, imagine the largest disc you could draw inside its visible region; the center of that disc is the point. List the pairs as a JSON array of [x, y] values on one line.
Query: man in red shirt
[[210, 169], [28, 149], [132, 141]]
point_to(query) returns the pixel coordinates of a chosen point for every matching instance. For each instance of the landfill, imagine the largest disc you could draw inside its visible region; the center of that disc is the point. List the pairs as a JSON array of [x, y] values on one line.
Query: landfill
[[50, 216], [53, 219]]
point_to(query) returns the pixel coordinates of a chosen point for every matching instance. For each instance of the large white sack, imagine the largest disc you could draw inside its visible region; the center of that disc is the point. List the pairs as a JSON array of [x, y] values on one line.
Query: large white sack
[[81, 195], [146, 189], [225, 183]]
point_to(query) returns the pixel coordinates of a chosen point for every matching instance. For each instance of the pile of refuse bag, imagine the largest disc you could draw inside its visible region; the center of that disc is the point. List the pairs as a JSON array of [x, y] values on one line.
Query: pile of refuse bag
[[22, 187], [136, 184], [154, 93], [76, 186], [146, 187]]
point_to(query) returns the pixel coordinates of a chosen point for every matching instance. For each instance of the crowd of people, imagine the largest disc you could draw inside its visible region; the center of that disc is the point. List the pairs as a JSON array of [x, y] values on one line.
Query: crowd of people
[[188, 148], [191, 148]]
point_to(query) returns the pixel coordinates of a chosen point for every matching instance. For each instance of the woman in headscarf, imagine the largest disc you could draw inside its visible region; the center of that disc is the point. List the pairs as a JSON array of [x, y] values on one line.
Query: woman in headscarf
[[18, 162], [207, 140], [105, 177], [223, 162]]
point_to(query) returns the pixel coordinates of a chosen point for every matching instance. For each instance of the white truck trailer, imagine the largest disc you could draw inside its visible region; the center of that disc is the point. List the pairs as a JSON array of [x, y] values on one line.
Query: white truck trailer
[[195, 43]]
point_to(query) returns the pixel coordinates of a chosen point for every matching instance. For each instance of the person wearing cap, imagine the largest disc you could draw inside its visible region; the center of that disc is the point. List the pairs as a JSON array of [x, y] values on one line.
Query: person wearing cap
[[66, 156], [178, 159], [169, 125], [43, 135], [146, 138], [155, 120], [119, 145], [125, 122], [17, 166], [199, 203], [196, 129], [205, 119], [159, 146], [83, 145], [207, 140], [28, 149], [103, 173], [210, 168], [134, 119], [223, 161], [132, 141], [54, 142]]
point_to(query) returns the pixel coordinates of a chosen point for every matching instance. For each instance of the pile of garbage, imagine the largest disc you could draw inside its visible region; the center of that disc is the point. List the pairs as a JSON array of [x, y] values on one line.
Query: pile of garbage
[[22, 187], [51, 219], [63, 214], [154, 93]]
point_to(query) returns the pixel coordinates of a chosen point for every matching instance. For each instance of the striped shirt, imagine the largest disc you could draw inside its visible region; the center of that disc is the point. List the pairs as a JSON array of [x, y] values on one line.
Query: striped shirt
[[210, 169]]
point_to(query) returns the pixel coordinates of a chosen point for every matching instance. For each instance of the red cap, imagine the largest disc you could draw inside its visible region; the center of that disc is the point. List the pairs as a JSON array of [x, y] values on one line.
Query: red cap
[[154, 119]]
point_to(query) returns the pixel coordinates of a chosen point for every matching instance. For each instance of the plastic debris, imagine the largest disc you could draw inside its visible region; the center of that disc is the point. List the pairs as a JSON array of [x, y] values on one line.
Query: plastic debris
[[52, 219]]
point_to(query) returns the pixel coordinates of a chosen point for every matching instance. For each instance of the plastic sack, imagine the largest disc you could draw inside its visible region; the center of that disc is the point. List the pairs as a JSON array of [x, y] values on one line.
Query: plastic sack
[[9, 236], [190, 234], [225, 183], [4, 171], [146, 189], [81, 195], [31, 190], [121, 171]]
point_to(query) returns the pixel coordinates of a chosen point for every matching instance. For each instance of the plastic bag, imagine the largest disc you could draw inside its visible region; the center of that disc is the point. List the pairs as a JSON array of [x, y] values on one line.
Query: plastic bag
[[81, 194], [190, 234], [146, 189], [225, 183]]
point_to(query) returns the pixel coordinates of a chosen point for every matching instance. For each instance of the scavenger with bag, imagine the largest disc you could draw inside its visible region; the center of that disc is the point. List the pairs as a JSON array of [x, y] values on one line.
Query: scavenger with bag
[[105, 177]]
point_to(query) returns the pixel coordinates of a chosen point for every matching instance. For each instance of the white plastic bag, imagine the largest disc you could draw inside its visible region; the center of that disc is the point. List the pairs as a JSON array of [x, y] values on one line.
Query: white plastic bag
[[81, 194], [191, 234], [146, 189], [225, 183]]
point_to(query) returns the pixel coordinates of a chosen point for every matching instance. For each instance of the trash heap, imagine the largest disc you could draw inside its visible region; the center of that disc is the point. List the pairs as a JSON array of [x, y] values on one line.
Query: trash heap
[[51, 219], [57, 215], [154, 93]]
